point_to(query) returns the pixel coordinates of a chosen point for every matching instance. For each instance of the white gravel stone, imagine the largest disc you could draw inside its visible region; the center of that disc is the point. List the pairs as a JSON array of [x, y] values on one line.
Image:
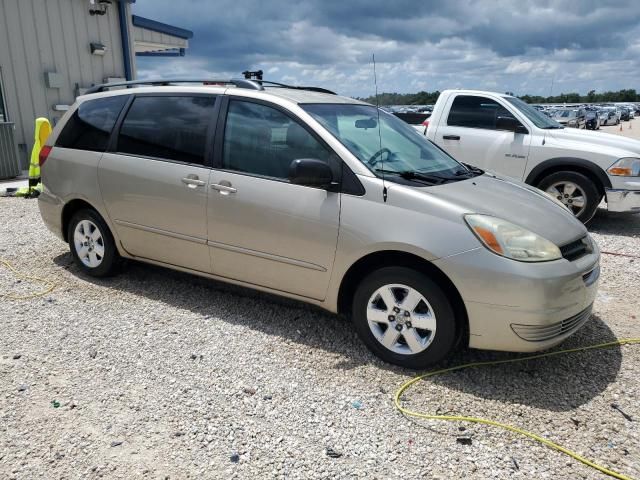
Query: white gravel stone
[[188, 372]]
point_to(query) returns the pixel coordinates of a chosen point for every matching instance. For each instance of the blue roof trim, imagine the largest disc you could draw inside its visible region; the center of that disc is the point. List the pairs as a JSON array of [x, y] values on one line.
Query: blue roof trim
[[161, 27], [124, 40]]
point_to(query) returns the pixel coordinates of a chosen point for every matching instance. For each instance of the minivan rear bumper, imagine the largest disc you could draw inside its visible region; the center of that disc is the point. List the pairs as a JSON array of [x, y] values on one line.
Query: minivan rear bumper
[[522, 307], [51, 212]]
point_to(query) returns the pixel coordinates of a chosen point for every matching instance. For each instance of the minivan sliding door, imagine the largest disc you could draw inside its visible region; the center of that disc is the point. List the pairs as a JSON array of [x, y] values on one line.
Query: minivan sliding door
[[155, 179]]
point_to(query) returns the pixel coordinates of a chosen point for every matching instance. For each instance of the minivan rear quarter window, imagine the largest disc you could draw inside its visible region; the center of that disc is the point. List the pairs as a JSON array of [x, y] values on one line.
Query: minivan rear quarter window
[[166, 127], [89, 128]]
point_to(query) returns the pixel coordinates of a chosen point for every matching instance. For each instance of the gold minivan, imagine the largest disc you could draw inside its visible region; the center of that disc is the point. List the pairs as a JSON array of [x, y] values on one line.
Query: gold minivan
[[322, 198]]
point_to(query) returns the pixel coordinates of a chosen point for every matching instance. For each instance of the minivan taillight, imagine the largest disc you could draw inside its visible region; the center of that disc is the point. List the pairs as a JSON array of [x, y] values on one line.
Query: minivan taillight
[[44, 154], [426, 123]]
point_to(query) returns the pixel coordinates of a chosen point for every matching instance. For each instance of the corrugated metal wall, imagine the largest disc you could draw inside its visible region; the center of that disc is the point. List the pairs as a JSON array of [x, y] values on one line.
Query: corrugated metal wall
[[9, 162], [162, 40], [38, 36]]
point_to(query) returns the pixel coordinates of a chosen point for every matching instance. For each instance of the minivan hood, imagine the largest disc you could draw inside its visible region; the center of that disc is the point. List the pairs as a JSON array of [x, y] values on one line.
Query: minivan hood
[[513, 201], [597, 138]]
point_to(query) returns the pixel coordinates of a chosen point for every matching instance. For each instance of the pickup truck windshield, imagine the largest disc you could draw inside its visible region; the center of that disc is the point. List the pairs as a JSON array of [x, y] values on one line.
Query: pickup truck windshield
[[538, 118], [394, 148]]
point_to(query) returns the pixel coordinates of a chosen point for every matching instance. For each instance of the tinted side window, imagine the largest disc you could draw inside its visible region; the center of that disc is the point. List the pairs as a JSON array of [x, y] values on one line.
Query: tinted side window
[[89, 128], [475, 112], [264, 141], [172, 128]]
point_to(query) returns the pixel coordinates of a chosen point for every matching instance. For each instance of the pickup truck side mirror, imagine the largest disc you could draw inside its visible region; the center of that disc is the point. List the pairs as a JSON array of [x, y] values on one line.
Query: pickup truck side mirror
[[510, 124]]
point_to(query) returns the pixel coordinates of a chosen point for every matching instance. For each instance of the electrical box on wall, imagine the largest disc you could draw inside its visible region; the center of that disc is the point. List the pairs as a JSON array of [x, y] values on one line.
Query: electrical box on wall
[[53, 79]]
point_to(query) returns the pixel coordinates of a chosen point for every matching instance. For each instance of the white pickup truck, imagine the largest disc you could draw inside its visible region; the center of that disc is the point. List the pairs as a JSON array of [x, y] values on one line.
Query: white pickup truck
[[503, 134]]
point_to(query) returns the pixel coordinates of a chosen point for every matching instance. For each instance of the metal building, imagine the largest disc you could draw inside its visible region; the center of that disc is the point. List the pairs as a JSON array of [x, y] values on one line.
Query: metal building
[[52, 50]]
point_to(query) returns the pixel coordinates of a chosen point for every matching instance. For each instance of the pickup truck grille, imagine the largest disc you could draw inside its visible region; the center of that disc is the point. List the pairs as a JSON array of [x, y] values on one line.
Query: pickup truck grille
[[574, 250]]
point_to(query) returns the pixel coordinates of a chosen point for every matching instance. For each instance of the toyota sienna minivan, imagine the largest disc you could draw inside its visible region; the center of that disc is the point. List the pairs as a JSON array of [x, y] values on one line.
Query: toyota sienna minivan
[[303, 193]]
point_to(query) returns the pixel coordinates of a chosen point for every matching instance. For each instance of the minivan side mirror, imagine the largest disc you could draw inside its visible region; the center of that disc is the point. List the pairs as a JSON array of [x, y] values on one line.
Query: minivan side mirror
[[310, 172], [510, 124]]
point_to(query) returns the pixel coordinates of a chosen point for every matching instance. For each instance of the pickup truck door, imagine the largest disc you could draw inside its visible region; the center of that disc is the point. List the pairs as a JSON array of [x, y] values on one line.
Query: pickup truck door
[[468, 131]]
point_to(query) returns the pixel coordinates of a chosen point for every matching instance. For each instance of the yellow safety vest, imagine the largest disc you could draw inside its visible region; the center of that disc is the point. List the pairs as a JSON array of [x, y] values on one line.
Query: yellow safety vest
[[42, 132]]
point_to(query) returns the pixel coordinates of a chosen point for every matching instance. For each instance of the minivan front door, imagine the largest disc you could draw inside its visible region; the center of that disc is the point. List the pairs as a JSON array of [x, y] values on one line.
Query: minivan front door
[[469, 135], [155, 184], [262, 229]]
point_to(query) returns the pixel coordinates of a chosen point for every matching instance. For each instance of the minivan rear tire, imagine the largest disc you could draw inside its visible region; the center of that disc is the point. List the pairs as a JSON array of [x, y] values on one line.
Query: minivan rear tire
[[434, 300], [100, 257]]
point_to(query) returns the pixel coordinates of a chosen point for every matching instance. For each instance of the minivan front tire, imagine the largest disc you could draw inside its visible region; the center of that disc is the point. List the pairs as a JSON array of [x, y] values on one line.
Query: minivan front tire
[[404, 317], [92, 245]]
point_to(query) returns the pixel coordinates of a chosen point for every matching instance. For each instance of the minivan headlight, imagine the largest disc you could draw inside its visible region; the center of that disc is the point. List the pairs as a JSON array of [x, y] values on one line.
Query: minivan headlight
[[511, 241], [625, 167]]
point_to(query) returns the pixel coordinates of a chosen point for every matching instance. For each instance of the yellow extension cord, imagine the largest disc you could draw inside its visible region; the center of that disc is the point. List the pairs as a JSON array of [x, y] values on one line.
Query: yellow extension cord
[[47, 283], [486, 421], [50, 286]]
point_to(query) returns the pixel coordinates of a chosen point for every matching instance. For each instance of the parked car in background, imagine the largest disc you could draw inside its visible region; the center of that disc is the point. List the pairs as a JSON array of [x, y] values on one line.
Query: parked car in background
[[324, 199], [613, 117], [418, 120], [574, 118], [504, 134], [625, 114], [592, 120], [603, 116]]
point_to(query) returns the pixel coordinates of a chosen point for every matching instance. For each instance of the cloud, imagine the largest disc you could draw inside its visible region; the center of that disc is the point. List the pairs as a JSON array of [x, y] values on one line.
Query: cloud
[[493, 44]]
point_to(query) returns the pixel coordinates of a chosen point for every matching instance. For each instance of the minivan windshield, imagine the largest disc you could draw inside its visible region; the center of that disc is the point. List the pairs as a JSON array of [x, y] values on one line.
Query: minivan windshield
[[538, 118], [387, 145]]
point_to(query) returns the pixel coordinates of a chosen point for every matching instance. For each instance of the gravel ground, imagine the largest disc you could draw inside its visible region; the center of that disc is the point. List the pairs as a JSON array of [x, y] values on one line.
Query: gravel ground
[[157, 374]]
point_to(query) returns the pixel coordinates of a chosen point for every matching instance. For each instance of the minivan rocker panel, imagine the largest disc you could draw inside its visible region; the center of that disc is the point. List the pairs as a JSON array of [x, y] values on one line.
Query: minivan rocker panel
[[424, 255]]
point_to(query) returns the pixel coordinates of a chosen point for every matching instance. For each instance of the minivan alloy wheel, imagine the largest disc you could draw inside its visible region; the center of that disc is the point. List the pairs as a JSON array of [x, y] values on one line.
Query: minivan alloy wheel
[[89, 243], [570, 194], [401, 319]]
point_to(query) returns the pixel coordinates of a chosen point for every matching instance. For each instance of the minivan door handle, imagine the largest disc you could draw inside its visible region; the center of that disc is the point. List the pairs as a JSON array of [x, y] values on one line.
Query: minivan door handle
[[451, 137], [192, 181], [224, 188]]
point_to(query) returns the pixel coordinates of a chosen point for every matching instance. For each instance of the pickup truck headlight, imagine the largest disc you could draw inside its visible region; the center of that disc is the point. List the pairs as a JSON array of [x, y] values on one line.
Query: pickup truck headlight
[[511, 241], [625, 167]]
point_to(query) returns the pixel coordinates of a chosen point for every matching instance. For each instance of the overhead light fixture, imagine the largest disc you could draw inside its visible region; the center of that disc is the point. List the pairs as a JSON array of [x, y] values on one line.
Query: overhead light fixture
[[98, 7], [98, 48]]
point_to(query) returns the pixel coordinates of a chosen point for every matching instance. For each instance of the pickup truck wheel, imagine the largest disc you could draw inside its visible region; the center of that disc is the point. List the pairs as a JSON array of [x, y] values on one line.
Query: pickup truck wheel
[[92, 246], [576, 191], [404, 317]]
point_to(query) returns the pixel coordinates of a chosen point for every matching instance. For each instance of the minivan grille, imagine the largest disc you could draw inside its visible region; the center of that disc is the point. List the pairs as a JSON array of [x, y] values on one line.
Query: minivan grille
[[540, 333], [574, 250]]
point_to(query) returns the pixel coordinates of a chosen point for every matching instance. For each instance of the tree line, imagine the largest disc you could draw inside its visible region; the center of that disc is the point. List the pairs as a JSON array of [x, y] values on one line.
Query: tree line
[[427, 98]]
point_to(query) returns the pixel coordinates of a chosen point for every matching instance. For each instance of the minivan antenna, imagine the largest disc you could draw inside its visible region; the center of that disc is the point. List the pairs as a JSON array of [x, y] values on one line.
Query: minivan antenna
[[375, 81]]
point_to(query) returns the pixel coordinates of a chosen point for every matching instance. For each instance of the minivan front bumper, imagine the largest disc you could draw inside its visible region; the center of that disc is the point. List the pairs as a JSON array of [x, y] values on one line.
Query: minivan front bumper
[[621, 200], [522, 307]]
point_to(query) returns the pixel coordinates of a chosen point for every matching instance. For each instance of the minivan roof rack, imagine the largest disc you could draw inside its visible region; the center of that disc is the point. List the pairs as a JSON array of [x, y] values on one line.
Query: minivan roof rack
[[237, 82], [282, 85]]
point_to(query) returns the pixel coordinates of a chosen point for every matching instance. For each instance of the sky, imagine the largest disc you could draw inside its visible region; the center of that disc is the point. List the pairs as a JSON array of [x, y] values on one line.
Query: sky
[[538, 47]]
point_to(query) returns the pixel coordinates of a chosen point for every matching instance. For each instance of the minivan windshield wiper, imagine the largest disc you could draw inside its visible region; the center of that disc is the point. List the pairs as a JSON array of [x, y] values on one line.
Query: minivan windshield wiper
[[411, 175], [553, 127]]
